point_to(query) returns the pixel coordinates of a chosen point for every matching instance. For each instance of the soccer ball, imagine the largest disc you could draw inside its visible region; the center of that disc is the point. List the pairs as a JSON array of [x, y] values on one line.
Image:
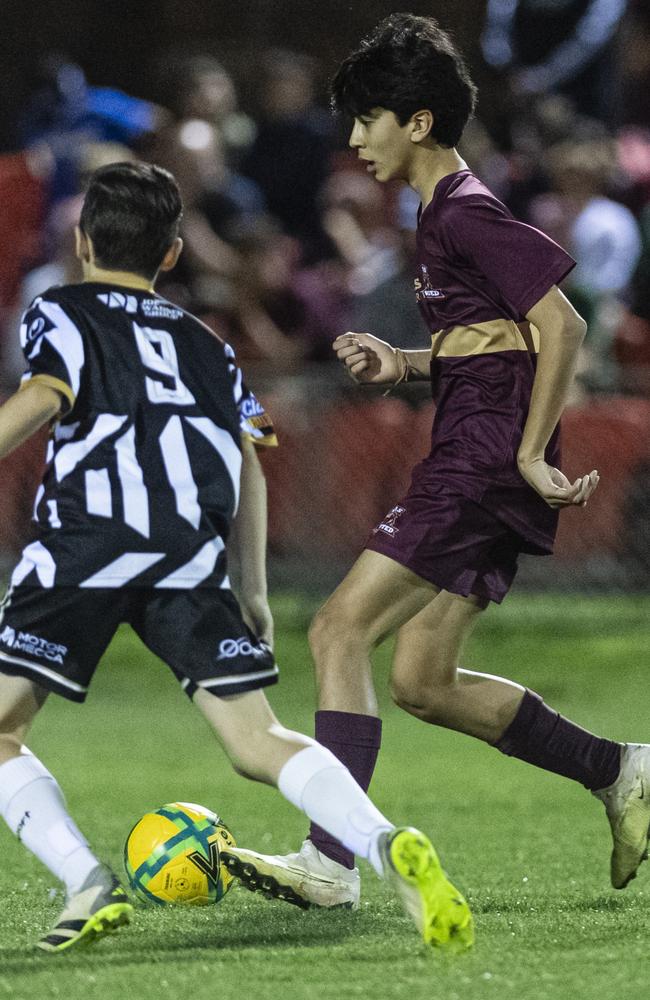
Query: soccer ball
[[172, 855]]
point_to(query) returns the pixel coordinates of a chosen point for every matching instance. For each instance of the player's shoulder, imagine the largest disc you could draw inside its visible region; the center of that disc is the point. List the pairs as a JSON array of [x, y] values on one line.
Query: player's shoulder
[[51, 310], [59, 304], [464, 192]]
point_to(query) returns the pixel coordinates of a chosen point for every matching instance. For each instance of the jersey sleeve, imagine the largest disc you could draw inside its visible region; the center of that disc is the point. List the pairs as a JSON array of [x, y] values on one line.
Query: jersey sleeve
[[53, 348], [520, 261], [254, 422]]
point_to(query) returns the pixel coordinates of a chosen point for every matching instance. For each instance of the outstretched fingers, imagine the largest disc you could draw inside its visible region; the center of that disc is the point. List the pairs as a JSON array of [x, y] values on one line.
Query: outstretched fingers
[[587, 486]]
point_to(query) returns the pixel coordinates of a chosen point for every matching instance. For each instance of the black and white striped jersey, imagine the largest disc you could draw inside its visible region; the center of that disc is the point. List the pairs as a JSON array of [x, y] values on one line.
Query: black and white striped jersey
[[143, 468]]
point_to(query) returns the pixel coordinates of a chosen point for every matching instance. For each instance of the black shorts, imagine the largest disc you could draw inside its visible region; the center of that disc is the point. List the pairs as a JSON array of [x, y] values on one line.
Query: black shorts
[[56, 637]]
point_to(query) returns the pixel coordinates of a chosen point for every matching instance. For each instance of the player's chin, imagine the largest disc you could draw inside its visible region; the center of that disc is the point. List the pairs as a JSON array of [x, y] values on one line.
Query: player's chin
[[384, 173]]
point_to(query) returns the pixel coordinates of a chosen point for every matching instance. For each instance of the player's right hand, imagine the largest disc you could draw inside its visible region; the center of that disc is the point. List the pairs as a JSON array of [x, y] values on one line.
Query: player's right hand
[[367, 359]]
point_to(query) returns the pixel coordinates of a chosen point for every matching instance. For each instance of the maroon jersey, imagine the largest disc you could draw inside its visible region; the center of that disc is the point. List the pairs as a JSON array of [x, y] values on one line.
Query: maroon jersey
[[479, 272]]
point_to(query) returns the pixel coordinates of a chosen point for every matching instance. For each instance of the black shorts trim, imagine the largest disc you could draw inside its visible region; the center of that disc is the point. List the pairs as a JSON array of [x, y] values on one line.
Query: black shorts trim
[[239, 684], [16, 666]]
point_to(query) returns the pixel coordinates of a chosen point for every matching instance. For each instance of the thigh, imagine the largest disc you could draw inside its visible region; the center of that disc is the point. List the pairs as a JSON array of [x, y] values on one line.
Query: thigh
[[451, 541], [202, 636], [429, 646], [55, 636], [377, 596]]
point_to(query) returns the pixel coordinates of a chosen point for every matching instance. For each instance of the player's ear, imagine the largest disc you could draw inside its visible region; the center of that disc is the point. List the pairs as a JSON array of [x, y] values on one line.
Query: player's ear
[[421, 124], [170, 259], [82, 245]]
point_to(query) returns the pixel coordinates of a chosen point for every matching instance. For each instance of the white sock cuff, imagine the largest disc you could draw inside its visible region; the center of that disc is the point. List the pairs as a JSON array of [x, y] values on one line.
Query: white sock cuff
[[16, 774], [301, 768]]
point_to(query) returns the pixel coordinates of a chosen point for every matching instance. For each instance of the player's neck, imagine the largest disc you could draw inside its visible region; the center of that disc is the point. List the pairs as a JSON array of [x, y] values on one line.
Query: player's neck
[[430, 166], [126, 279]]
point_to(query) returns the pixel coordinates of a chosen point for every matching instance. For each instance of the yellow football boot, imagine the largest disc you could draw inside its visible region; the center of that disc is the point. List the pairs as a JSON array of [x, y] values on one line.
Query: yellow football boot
[[437, 908]]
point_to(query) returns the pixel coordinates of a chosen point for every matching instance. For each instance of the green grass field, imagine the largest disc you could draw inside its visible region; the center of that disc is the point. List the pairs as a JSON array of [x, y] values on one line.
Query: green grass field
[[529, 849]]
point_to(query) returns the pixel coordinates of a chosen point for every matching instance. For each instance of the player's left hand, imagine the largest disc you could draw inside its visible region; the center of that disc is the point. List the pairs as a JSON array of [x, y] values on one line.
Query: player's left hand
[[554, 487]]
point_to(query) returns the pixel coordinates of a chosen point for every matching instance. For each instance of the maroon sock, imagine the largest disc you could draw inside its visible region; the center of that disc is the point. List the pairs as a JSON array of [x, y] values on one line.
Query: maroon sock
[[542, 737], [355, 740]]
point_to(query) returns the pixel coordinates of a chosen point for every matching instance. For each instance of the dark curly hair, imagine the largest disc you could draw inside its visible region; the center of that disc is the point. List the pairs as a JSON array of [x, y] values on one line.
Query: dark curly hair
[[405, 64]]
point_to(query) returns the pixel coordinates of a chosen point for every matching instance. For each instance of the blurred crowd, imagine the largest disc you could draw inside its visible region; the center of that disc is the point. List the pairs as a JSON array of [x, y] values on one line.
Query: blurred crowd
[[288, 242]]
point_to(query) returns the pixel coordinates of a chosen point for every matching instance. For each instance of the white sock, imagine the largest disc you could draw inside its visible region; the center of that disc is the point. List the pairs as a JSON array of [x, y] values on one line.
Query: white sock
[[33, 806], [316, 782]]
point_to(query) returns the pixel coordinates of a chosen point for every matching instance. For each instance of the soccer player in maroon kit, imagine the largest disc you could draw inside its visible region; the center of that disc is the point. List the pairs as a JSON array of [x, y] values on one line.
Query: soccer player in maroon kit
[[504, 345]]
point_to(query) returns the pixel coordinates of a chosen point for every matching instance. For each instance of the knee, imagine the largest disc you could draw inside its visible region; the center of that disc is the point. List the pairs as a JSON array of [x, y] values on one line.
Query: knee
[[428, 703], [327, 623], [337, 627]]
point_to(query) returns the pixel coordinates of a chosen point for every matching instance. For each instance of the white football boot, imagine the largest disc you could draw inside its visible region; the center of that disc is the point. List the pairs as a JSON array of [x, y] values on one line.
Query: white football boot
[[100, 907], [307, 878], [627, 802]]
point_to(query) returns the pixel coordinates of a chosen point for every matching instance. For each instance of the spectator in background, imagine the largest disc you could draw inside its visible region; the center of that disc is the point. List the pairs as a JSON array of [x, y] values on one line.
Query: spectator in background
[[216, 201], [290, 158], [389, 307], [278, 314], [632, 345], [603, 236], [558, 45], [634, 56], [61, 268], [354, 217], [65, 112], [199, 87], [55, 256]]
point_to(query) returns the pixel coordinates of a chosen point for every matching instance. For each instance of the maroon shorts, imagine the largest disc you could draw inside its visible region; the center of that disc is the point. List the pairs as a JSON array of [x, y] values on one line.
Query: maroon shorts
[[451, 541]]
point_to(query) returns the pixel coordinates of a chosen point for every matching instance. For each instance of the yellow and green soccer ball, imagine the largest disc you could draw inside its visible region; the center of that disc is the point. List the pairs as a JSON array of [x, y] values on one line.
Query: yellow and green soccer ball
[[173, 855]]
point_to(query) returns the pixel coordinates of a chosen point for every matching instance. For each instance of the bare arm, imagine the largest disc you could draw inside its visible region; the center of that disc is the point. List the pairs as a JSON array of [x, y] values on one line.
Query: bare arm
[[26, 412], [374, 362], [561, 332], [248, 545]]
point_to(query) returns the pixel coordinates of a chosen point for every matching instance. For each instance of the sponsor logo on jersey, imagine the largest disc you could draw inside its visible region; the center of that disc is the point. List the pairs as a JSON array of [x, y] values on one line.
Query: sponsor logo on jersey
[[119, 300], [388, 525], [229, 648], [154, 309], [423, 287], [35, 329], [251, 408], [23, 642]]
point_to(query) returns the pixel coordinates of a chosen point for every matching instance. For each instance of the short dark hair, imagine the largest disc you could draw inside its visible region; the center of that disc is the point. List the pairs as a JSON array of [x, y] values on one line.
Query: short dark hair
[[405, 64], [132, 213]]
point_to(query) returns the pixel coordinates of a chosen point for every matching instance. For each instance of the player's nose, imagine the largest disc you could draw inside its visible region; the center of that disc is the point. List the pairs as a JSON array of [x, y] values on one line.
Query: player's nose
[[356, 138]]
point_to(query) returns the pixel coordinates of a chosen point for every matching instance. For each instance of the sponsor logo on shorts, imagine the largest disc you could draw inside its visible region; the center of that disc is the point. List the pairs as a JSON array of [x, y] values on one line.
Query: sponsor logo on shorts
[[388, 524], [23, 642], [229, 648]]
